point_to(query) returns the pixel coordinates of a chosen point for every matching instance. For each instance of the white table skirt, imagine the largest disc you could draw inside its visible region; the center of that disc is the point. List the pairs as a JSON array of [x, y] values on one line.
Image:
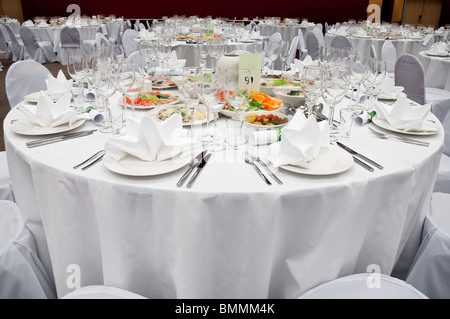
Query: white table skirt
[[231, 235], [437, 71], [361, 46]]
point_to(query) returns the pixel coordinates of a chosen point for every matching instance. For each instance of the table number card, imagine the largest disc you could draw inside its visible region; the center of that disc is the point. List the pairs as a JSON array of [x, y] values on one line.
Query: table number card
[[211, 28], [251, 62]]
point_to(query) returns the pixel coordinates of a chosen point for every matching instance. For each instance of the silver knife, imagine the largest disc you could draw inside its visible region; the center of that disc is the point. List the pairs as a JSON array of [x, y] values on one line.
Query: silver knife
[[362, 164], [199, 169], [57, 138], [195, 161], [60, 139], [348, 149]]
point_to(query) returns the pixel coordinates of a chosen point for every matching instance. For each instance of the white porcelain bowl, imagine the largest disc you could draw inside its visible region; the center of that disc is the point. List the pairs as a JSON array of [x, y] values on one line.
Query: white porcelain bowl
[[293, 100]]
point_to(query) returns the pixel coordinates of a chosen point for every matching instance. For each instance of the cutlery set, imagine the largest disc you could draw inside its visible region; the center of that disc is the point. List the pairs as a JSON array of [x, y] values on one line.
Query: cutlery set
[[252, 159], [398, 138], [358, 157], [91, 161], [60, 138], [198, 162]]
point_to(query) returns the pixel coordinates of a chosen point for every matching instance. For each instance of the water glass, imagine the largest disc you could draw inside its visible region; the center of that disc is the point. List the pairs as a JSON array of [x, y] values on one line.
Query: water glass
[[77, 92], [347, 117], [116, 115], [233, 133]]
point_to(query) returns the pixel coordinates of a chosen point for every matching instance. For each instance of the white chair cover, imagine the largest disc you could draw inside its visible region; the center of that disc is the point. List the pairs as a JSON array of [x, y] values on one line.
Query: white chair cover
[[39, 51], [142, 27], [319, 26], [100, 39], [149, 28], [389, 55], [70, 39], [433, 95], [326, 27], [427, 43], [6, 191], [302, 52], [292, 52], [430, 271], [318, 32], [373, 53], [128, 41], [409, 73], [136, 25], [101, 292], [5, 35], [357, 287], [17, 47], [22, 275], [19, 83], [441, 110], [275, 37], [312, 43], [3, 44], [341, 42], [136, 57]]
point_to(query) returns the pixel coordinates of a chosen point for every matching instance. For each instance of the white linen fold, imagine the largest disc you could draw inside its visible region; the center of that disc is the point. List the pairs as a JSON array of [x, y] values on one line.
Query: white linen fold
[[389, 91], [57, 87], [49, 113], [406, 117], [149, 139], [301, 141], [299, 65]]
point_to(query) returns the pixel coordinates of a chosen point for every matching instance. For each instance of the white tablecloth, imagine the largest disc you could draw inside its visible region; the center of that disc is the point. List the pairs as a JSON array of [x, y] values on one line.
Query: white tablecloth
[[231, 235], [437, 71], [361, 46], [287, 32]]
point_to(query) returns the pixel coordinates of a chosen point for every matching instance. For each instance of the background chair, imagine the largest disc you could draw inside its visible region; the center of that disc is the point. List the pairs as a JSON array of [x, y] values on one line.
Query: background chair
[[302, 52], [409, 74], [318, 32], [128, 41], [22, 275], [69, 40], [312, 43], [19, 83], [39, 51], [5, 36], [373, 52], [389, 55], [292, 52], [441, 110], [430, 271], [16, 45], [101, 292], [356, 287], [136, 57], [341, 42]]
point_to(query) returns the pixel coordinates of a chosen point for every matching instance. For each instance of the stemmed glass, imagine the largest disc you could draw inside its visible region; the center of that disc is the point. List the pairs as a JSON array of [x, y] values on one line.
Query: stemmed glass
[[284, 51], [190, 92], [359, 70], [335, 84], [75, 66], [124, 80], [105, 87], [237, 88], [147, 53], [311, 83], [210, 85], [203, 51], [380, 73], [138, 84], [216, 49]]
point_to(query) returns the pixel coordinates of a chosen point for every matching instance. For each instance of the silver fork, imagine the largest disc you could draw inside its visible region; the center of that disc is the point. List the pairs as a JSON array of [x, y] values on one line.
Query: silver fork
[[399, 138], [94, 159], [250, 161], [256, 158]]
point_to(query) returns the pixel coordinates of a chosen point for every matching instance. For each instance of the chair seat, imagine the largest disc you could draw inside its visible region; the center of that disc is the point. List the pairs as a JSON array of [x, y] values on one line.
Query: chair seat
[[101, 292], [436, 94], [356, 287]]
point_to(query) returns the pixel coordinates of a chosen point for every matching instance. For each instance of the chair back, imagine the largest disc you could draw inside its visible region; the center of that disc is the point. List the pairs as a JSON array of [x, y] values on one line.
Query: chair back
[[19, 83], [341, 42], [389, 55], [128, 41], [22, 275], [373, 52], [100, 39], [142, 27], [3, 42], [70, 37], [136, 57], [29, 41], [301, 46], [276, 37], [312, 43], [318, 32], [16, 48], [409, 73], [292, 51]]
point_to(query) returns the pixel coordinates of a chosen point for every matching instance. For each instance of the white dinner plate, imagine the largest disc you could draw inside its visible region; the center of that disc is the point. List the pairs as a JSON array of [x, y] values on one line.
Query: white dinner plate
[[331, 160], [153, 106], [34, 97], [154, 113], [442, 55], [26, 127], [385, 125], [231, 114], [133, 166]]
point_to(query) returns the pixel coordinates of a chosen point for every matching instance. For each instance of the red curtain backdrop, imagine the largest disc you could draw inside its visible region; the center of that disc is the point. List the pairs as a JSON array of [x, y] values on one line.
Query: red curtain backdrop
[[322, 11]]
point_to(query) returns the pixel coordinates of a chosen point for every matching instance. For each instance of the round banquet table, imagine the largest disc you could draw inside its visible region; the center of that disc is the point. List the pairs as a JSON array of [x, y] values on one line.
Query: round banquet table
[[231, 235], [361, 46], [437, 71]]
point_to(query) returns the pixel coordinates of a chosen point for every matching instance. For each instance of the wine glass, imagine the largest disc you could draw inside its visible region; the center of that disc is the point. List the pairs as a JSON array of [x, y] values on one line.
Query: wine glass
[[210, 85], [203, 51], [105, 87], [284, 51], [335, 84], [124, 80], [147, 52], [75, 66], [237, 88], [358, 72], [190, 92], [138, 84], [311, 83]]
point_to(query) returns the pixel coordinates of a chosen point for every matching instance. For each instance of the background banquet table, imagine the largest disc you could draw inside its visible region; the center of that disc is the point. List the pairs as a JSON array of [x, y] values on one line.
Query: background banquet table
[[361, 46], [231, 235], [437, 71]]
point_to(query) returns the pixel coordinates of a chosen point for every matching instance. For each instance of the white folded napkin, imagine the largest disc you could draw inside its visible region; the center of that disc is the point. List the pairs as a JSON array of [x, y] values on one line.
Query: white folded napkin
[[439, 48], [149, 139], [49, 113], [389, 91], [341, 31], [404, 116], [28, 23], [255, 35], [57, 87], [300, 65], [302, 140], [361, 33]]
